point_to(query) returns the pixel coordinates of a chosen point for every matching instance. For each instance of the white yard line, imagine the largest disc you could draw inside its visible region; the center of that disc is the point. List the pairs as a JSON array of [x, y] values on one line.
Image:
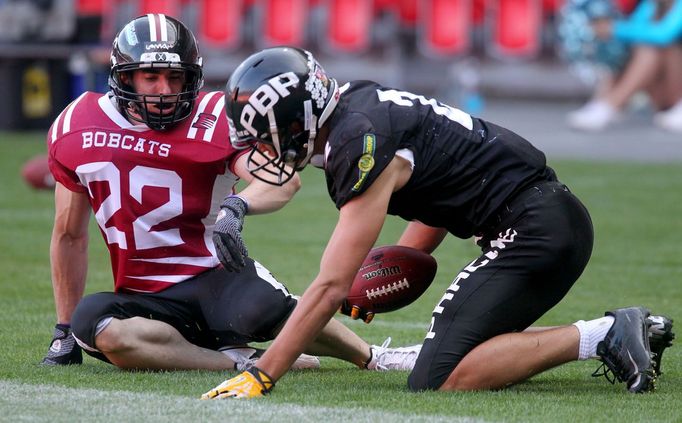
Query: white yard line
[[23, 402]]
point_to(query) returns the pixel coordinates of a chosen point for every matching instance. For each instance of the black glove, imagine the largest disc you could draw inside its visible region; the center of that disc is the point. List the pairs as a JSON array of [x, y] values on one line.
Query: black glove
[[227, 235], [63, 348], [356, 312]]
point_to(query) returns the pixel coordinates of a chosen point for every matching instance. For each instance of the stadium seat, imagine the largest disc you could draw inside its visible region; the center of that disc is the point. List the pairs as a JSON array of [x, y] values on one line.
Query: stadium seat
[[219, 23], [515, 28], [445, 27], [90, 7], [167, 7], [407, 11], [283, 22], [551, 7], [626, 6], [349, 25]]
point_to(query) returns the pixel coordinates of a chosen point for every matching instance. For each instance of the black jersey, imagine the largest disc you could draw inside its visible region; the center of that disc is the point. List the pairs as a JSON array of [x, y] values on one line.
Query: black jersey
[[464, 168]]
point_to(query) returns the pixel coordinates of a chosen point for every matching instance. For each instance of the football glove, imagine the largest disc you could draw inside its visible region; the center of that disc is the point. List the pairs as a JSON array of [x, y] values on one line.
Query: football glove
[[251, 383], [63, 348], [356, 312], [227, 235]]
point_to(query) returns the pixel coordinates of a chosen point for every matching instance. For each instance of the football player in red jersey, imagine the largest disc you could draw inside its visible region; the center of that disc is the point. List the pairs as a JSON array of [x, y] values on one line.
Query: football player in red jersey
[[153, 161], [388, 151]]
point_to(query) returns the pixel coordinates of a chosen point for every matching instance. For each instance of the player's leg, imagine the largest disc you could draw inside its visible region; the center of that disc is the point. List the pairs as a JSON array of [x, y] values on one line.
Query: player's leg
[[475, 340], [111, 327], [254, 307]]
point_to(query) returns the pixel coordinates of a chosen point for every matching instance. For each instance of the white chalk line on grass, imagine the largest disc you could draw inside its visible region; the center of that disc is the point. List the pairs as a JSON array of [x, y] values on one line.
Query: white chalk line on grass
[[21, 402]]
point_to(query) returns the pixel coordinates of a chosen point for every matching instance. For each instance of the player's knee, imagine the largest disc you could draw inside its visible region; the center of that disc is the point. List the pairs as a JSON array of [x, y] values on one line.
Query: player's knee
[[88, 313], [429, 378], [417, 381], [112, 337]]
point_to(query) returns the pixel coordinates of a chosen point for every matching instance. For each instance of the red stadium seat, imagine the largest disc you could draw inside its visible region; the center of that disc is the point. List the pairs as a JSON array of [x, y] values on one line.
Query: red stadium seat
[[552, 7], [626, 6], [408, 10], [167, 7], [284, 22], [515, 30], [349, 24], [445, 27], [478, 12], [220, 23], [90, 7]]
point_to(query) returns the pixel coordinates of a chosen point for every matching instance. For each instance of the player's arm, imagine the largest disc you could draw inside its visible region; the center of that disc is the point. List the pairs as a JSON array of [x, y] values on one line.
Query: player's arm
[[422, 237], [261, 196], [68, 261], [359, 225], [257, 197]]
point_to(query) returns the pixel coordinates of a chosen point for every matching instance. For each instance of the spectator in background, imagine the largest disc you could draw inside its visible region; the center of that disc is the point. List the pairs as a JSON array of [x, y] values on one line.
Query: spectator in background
[[655, 66], [31, 21]]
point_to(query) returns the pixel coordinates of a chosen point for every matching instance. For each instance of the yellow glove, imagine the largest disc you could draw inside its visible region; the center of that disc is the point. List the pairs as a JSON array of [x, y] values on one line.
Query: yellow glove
[[251, 383]]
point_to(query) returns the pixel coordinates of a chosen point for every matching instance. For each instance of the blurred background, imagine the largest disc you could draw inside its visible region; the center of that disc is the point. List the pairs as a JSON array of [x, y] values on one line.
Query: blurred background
[[500, 59]]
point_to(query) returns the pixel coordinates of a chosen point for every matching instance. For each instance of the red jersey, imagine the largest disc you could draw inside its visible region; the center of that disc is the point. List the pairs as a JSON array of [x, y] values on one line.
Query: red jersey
[[155, 194]]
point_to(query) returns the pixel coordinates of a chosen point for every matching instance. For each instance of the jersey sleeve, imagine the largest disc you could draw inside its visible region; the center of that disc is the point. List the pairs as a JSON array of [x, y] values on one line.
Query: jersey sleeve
[[358, 156], [60, 171]]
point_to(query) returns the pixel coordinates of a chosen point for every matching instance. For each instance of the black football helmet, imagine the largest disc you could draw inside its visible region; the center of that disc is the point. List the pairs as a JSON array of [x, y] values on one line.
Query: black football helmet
[[155, 41], [280, 97]]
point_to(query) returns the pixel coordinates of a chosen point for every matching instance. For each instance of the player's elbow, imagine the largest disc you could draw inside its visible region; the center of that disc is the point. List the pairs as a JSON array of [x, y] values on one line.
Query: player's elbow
[[330, 291]]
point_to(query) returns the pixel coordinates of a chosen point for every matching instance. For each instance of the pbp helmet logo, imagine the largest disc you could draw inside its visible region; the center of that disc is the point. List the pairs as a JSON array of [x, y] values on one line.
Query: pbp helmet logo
[[265, 97]]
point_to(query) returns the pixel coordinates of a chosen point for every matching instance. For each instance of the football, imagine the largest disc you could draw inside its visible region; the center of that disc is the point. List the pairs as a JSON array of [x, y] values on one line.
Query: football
[[36, 173], [392, 277]]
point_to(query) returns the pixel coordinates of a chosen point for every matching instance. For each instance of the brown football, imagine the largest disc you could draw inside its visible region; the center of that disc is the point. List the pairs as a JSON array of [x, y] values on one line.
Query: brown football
[[36, 173], [392, 277]]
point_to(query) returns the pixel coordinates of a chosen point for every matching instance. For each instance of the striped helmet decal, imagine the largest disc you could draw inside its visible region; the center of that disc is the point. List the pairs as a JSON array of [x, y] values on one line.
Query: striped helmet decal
[[158, 30]]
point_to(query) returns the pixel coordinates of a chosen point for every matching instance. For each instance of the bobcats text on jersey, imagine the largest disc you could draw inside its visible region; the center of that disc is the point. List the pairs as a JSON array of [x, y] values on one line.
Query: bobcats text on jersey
[[124, 141]]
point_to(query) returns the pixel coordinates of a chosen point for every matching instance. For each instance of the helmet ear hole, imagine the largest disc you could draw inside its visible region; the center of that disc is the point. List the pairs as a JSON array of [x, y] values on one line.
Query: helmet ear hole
[[289, 156]]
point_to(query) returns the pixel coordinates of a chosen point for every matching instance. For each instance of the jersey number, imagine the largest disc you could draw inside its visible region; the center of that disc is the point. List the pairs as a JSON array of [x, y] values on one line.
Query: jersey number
[[404, 98], [139, 177]]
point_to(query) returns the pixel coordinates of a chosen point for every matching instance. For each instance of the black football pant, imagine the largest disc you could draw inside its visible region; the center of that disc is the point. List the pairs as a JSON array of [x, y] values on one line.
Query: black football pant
[[528, 263], [214, 309]]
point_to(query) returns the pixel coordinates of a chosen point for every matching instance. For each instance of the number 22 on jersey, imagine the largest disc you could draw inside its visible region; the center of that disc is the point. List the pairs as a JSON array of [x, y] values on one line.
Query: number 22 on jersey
[[139, 177]]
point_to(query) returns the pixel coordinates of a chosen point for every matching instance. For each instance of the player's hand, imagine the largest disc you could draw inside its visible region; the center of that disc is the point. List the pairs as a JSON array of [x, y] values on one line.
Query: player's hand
[[227, 235], [251, 383], [356, 312], [63, 348]]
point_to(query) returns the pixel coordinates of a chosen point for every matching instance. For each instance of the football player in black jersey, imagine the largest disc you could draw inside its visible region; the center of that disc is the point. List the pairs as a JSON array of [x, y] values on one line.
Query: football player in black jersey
[[387, 151]]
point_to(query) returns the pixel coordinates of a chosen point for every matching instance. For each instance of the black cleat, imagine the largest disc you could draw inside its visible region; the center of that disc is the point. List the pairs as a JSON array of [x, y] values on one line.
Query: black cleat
[[625, 350], [660, 337]]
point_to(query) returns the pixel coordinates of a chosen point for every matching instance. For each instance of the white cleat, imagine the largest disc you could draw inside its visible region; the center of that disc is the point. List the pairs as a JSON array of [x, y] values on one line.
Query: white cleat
[[385, 358]]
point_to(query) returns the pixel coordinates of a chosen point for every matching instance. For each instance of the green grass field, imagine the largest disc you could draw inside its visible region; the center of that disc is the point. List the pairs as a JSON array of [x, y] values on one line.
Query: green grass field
[[636, 209]]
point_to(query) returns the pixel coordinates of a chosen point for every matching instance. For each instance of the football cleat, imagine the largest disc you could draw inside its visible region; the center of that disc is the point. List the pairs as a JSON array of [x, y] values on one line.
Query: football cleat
[[245, 357], [385, 358], [660, 337], [625, 351], [251, 383]]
